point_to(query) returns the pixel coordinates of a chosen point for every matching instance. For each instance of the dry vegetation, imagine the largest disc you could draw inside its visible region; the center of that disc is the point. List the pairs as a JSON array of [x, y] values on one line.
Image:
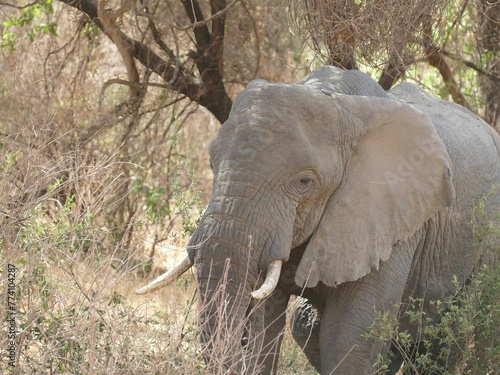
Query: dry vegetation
[[451, 47], [99, 190], [96, 197]]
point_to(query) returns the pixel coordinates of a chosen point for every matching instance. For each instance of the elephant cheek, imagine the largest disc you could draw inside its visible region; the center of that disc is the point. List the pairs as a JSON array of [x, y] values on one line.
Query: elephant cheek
[[306, 222]]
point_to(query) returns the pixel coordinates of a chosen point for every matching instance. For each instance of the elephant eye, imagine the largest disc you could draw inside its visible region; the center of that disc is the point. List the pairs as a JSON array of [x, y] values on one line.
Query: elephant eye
[[305, 181]]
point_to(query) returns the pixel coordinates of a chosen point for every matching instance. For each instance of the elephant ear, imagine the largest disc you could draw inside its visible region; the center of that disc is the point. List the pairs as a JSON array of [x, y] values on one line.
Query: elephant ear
[[397, 177]]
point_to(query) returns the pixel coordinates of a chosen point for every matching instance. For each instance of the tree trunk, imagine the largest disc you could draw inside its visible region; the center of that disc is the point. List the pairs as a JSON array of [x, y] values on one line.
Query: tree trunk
[[489, 40]]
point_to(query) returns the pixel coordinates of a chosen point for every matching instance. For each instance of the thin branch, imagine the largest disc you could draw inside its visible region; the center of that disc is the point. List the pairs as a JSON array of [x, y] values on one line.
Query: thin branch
[[456, 21], [117, 81], [111, 29], [201, 33], [493, 76], [159, 41], [62, 63], [257, 39], [209, 91], [163, 105], [205, 21], [194, 24], [437, 60], [18, 6], [183, 83], [121, 11]]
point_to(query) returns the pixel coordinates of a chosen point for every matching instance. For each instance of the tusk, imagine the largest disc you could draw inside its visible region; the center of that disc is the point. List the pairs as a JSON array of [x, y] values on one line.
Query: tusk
[[167, 278], [272, 277]]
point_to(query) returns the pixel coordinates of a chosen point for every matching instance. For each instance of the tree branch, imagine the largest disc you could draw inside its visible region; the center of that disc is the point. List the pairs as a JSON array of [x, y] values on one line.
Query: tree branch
[[114, 33], [436, 59], [158, 39], [179, 81], [205, 21], [209, 53], [201, 32], [390, 75], [493, 76], [17, 6]]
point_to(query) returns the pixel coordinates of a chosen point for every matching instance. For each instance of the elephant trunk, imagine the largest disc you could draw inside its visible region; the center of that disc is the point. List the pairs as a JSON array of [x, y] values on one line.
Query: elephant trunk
[[227, 253], [237, 239], [225, 305]]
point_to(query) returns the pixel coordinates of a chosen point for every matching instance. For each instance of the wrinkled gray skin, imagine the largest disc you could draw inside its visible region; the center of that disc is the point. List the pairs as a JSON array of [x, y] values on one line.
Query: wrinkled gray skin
[[365, 195]]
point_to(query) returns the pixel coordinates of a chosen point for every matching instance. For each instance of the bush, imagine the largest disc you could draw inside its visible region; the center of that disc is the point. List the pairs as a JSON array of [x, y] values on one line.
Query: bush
[[89, 197], [466, 339]]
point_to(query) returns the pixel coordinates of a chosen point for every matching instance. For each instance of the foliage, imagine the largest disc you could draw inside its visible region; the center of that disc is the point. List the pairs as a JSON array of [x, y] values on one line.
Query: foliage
[[34, 19], [75, 317], [75, 309], [466, 340], [466, 337], [70, 322], [449, 46]]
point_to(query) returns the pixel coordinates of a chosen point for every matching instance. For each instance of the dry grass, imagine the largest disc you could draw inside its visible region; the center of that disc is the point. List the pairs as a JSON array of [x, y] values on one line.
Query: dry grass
[[92, 201], [82, 317], [77, 266]]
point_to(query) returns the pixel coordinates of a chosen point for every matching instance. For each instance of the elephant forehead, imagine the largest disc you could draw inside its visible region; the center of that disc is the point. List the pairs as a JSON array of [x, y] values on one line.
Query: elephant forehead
[[277, 125], [265, 143], [269, 98], [281, 106]]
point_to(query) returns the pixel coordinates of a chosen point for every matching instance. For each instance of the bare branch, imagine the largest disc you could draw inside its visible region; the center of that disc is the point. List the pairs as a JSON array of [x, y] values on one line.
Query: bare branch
[[209, 91], [205, 21], [391, 74], [209, 53], [194, 24], [201, 33], [3, 3], [491, 75], [436, 59], [185, 84], [135, 85], [158, 38], [111, 29]]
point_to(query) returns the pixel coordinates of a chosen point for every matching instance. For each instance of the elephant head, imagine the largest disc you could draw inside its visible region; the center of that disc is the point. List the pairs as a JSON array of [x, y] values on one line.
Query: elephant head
[[344, 176]]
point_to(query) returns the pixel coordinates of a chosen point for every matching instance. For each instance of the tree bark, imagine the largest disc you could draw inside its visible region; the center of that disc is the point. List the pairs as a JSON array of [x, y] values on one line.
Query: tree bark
[[437, 60], [490, 41], [210, 92]]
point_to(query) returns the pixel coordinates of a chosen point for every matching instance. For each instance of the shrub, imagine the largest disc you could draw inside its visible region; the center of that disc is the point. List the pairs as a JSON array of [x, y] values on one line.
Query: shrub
[[466, 339]]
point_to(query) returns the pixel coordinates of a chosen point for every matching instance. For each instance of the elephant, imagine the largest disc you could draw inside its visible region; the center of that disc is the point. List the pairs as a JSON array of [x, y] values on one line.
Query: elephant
[[352, 198]]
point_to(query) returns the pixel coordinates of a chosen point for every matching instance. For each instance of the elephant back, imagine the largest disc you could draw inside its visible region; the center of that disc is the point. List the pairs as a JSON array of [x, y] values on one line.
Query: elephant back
[[332, 80]]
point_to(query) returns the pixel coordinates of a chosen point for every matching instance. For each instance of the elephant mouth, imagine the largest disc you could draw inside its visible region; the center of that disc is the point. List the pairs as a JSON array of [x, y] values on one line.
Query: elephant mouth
[[270, 282], [232, 313]]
